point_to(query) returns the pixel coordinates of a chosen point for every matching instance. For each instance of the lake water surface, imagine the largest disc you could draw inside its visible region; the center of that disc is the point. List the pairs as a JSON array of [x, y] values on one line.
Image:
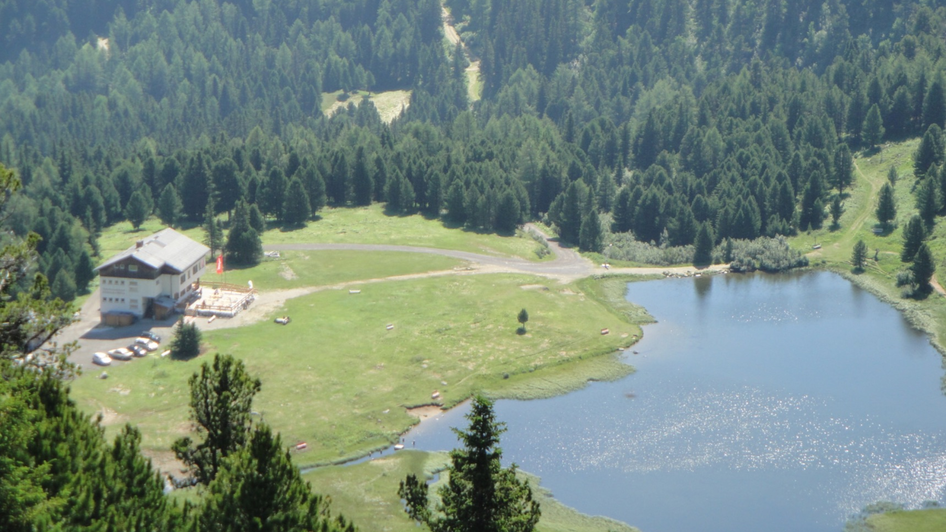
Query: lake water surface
[[761, 402]]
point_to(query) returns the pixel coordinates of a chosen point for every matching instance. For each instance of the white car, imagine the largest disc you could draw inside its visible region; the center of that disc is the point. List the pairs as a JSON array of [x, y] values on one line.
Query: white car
[[122, 353], [147, 343], [102, 359]]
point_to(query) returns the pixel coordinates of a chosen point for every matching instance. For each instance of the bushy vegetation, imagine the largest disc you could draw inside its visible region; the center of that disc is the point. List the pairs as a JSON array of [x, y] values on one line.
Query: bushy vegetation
[[765, 254]]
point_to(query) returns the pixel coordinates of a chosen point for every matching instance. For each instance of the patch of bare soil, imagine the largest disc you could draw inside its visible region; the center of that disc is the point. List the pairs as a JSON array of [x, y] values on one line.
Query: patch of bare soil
[[426, 412]]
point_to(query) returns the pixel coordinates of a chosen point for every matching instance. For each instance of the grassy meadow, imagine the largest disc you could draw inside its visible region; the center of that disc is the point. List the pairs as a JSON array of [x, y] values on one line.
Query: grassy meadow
[[367, 494], [351, 225], [339, 380], [932, 520]]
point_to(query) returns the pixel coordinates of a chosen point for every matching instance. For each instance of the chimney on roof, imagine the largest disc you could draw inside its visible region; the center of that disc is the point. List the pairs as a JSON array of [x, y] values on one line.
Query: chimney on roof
[[139, 243]]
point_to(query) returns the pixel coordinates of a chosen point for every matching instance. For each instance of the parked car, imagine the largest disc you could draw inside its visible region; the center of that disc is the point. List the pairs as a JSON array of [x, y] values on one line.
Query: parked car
[[147, 343], [138, 350], [102, 359], [152, 336], [121, 353]]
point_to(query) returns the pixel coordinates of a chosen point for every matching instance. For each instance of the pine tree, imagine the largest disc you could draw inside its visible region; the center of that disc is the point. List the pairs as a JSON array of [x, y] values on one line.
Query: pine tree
[[703, 247], [929, 152], [591, 235], [837, 209], [213, 232], [480, 495], [169, 206], [136, 211], [362, 183], [259, 490], [923, 269], [886, 206], [859, 255], [296, 208], [186, 342], [873, 129], [243, 245], [927, 202], [843, 168], [913, 235], [507, 213], [221, 399]]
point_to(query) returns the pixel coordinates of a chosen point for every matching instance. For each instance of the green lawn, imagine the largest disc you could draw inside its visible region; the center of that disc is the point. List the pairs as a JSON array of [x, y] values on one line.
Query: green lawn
[[295, 269], [352, 225], [366, 493], [933, 520], [338, 379], [370, 225]]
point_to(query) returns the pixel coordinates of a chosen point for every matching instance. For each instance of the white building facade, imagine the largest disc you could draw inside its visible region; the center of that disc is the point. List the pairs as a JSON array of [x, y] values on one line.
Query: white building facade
[[152, 277]]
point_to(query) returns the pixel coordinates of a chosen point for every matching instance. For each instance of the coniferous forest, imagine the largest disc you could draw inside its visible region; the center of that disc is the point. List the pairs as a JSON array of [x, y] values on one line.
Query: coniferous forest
[[656, 131]]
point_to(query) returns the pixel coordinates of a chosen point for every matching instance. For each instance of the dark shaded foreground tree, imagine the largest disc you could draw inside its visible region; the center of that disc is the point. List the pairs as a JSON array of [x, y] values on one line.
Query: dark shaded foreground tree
[[260, 490], [859, 256], [221, 402], [480, 495]]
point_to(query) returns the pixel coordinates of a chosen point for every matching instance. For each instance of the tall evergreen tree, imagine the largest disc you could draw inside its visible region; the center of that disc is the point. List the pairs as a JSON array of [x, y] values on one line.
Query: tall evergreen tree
[[859, 255], [591, 236], [886, 206], [362, 183], [213, 232], [243, 245], [913, 235], [480, 495], [296, 208], [170, 206], [703, 248], [136, 211], [195, 188], [923, 268], [873, 130]]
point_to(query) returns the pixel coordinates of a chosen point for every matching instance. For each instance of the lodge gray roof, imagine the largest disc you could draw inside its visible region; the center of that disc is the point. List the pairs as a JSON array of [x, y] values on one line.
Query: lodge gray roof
[[166, 249]]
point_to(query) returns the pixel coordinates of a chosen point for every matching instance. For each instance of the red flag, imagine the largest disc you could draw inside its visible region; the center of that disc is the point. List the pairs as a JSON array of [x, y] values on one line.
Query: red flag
[[220, 264]]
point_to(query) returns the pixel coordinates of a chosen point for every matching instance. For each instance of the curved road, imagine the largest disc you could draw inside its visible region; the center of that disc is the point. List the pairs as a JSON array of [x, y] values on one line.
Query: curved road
[[567, 264]]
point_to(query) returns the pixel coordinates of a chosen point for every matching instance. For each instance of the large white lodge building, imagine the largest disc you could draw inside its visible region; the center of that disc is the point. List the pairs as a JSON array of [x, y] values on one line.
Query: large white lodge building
[[151, 278]]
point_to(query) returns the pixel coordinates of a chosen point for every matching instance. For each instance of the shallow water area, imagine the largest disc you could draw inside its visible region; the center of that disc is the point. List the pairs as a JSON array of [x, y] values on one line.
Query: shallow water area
[[761, 402]]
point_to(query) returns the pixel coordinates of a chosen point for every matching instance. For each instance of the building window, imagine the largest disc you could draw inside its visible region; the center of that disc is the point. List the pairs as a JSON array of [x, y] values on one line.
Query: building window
[[194, 271], [132, 283], [132, 267], [183, 278]]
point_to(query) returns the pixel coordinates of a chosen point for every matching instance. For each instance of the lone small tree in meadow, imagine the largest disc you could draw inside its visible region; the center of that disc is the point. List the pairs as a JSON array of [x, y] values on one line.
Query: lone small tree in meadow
[[859, 256], [186, 342], [923, 269], [886, 206], [523, 318]]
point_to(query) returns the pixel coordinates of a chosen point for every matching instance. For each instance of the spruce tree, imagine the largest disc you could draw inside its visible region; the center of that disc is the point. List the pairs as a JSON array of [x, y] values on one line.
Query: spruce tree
[[873, 128], [591, 236], [859, 255], [362, 183], [929, 152], [480, 495], [923, 269], [703, 247], [296, 208], [169, 206], [886, 206], [243, 245], [213, 232], [913, 235], [136, 211]]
